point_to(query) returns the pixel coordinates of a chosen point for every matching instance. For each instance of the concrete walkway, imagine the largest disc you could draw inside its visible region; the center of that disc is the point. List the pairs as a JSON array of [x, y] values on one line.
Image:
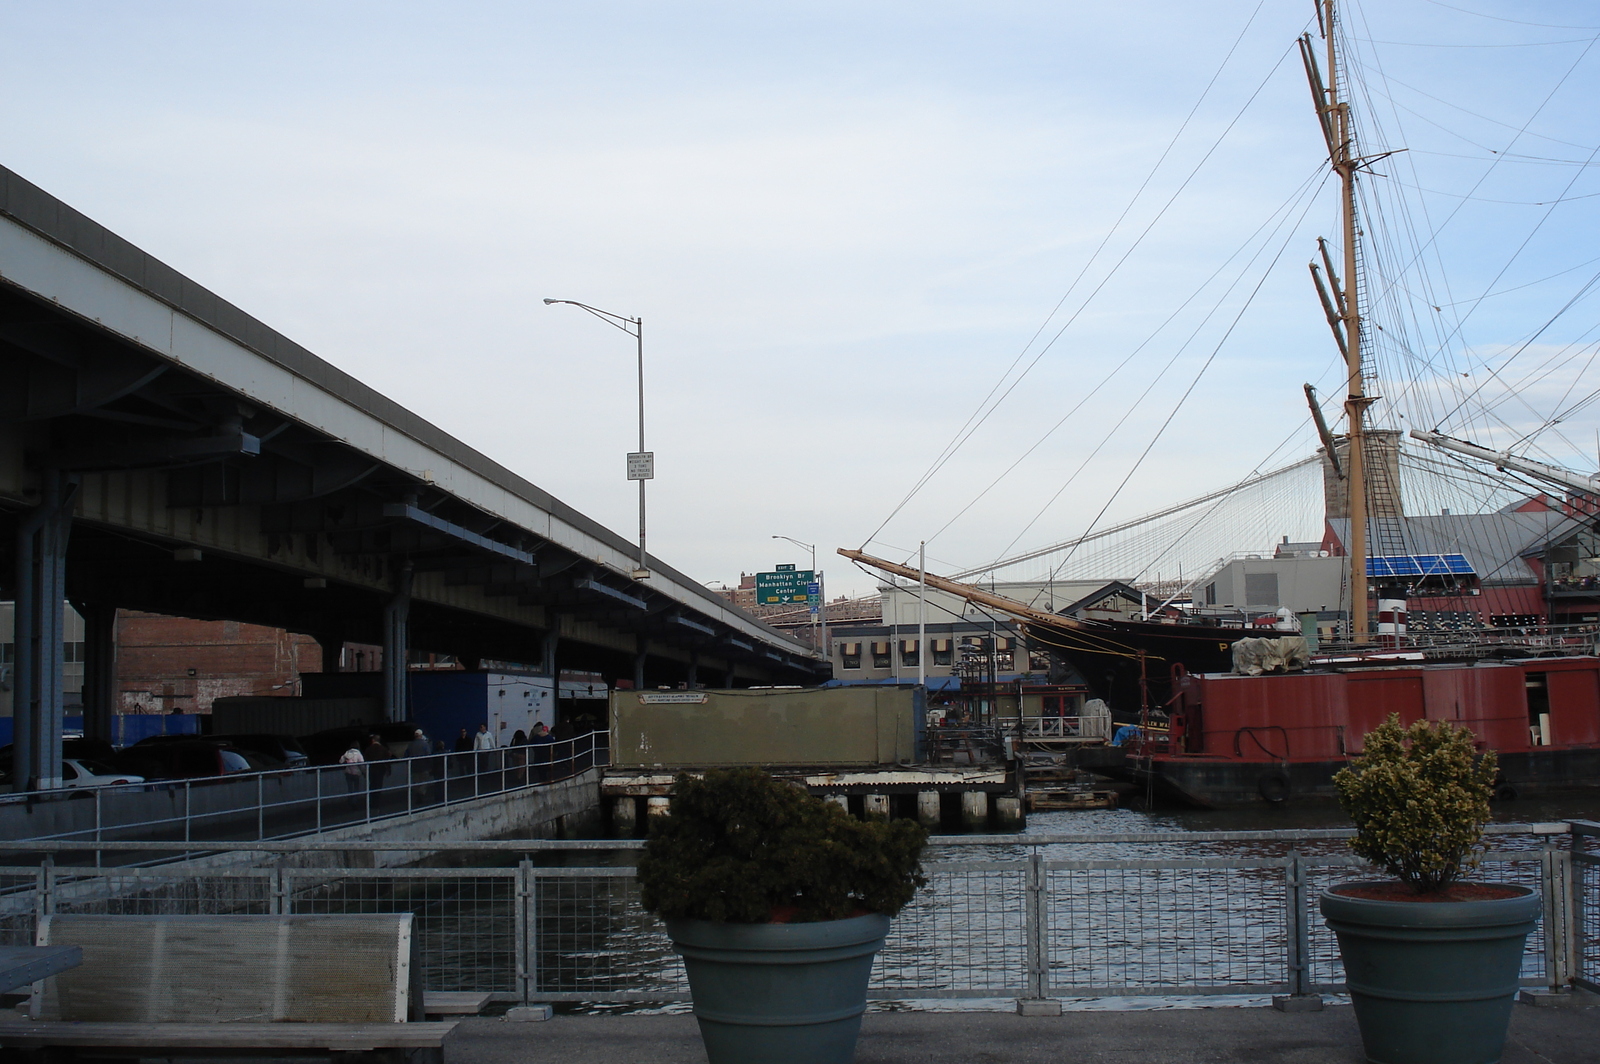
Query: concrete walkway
[[1191, 1036]]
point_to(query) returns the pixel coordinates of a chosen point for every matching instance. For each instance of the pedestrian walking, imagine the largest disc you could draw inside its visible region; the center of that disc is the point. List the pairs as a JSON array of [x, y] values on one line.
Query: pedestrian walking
[[420, 775], [376, 753], [352, 761]]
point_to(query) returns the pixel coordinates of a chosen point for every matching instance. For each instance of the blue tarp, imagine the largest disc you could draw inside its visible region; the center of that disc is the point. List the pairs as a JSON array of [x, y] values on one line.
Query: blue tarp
[[126, 728], [935, 683]]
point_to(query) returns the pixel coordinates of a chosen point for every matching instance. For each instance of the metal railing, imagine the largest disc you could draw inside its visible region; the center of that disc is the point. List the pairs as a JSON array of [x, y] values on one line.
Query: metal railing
[[255, 806], [1584, 905], [1565, 638], [1083, 729], [1012, 916], [969, 744]]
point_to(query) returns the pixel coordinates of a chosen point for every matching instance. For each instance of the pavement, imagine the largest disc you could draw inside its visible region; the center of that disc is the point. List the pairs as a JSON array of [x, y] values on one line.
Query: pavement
[[1190, 1036]]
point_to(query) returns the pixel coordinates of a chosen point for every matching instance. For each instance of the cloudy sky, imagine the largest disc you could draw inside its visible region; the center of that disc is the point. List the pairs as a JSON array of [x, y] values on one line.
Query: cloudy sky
[[845, 225]]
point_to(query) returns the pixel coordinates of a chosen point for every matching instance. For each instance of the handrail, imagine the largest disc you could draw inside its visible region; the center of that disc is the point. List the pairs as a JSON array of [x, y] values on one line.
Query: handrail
[[1551, 828], [276, 773], [372, 792]]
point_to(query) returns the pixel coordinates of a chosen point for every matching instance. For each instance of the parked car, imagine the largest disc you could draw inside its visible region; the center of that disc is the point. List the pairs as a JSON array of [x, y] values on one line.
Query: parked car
[[325, 747], [81, 772], [76, 770], [284, 749], [169, 757]]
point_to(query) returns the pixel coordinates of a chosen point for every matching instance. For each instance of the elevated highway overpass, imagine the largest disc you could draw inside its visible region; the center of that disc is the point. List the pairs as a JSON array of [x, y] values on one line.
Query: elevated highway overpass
[[162, 450]]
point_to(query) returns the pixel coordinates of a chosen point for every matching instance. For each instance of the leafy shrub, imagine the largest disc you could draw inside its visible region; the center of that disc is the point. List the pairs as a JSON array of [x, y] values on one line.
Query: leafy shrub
[[742, 847], [1419, 797]]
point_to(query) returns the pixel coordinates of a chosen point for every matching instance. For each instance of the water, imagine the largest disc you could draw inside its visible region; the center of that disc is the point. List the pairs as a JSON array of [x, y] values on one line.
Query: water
[[1126, 928]]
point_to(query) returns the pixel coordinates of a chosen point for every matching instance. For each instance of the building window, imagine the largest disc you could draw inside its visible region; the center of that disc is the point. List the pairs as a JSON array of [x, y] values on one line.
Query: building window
[[880, 655], [941, 652], [1261, 589], [850, 655], [909, 653]]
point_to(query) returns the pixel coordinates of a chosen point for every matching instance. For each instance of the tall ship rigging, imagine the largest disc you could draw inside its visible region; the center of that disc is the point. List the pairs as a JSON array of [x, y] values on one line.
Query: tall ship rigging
[[1235, 738]]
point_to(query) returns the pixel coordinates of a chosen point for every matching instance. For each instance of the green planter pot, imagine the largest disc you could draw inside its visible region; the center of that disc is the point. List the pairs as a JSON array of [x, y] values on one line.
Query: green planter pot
[[1432, 982], [779, 993]]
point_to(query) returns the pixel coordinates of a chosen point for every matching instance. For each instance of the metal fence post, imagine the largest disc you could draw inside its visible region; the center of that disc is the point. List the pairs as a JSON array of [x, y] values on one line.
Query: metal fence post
[[277, 892], [188, 809], [1560, 942], [261, 808], [1035, 923], [1297, 935], [524, 931], [318, 771]]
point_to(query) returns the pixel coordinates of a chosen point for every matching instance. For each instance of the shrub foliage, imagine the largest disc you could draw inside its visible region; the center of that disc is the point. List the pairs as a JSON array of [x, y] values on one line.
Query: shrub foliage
[[742, 847], [1419, 797]]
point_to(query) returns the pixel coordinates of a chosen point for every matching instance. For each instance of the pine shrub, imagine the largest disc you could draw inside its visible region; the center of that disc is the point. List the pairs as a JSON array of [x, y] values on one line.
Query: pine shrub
[[1419, 797], [742, 847]]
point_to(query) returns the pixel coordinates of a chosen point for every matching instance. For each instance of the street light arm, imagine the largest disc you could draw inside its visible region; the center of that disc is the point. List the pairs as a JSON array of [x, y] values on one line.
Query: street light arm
[[807, 546], [606, 316]]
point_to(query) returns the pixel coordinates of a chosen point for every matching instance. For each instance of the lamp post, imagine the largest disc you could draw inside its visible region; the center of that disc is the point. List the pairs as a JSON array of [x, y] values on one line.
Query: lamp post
[[822, 597], [642, 463]]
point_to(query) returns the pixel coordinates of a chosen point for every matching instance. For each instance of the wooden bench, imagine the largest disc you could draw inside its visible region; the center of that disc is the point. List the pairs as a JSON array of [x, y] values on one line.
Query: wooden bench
[[332, 983], [454, 1002]]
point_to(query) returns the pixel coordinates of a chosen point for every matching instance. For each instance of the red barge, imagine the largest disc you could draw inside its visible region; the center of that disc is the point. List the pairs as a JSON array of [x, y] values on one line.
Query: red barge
[[1239, 739]]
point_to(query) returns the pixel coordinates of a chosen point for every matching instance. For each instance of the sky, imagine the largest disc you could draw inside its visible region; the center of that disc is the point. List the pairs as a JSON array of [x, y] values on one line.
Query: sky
[[846, 224]]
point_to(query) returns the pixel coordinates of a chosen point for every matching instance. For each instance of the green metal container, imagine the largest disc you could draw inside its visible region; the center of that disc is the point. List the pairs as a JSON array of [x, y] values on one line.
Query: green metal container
[[1432, 982], [779, 993]]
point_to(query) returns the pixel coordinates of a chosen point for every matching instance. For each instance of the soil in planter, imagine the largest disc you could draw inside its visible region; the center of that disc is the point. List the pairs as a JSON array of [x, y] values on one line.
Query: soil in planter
[[1454, 892]]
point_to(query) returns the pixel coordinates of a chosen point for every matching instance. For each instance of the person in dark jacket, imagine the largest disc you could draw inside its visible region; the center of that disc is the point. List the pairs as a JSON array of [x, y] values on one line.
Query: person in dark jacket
[[376, 754]]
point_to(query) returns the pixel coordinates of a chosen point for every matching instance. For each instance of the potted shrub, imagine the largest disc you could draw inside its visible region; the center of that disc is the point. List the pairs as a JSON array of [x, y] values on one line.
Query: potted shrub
[[778, 902], [1431, 960]]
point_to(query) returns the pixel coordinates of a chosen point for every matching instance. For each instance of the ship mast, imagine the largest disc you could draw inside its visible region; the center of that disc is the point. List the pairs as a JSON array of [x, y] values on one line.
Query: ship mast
[[1345, 312]]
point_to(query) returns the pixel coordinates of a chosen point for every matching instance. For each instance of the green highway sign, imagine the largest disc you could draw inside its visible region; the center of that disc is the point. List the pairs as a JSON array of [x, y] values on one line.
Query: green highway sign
[[775, 589]]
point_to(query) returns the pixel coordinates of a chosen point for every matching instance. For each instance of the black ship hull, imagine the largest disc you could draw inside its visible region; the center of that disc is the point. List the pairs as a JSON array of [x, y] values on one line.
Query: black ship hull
[[1117, 658], [1213, 783]]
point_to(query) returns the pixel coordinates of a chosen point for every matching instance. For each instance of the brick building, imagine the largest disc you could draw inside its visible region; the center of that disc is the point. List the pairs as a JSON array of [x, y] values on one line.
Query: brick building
[[179, 665]]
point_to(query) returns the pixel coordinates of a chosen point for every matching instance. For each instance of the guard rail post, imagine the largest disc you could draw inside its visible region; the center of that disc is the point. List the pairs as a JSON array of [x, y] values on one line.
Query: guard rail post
[[277, 892], [1560, 944], [1297, 941], [524, 931], [1035, 931]]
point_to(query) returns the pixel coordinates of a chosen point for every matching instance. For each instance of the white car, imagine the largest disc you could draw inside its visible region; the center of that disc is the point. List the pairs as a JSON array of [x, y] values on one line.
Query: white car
[[80, 772]]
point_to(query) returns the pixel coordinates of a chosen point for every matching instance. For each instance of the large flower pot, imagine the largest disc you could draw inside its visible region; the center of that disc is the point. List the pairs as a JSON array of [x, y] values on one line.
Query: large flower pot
[[1432, 982], [779, 993]]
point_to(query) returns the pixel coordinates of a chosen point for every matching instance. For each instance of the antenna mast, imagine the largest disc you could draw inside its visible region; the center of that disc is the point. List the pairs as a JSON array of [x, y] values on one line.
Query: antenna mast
[[1345, 312]]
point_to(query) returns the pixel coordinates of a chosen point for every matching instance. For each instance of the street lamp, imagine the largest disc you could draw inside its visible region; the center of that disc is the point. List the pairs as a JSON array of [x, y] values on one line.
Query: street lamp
[[822, 598], [642, 463]]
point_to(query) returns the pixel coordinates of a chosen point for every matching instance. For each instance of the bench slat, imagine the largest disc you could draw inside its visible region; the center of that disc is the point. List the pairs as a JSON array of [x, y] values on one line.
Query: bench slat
[[454, 1002]]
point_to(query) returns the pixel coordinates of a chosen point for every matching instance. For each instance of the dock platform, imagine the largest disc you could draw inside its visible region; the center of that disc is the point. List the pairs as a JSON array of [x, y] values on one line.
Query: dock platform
[[1210, 1036]]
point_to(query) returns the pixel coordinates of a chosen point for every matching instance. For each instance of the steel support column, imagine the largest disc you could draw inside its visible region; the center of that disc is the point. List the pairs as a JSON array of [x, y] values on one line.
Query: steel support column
[[549, 646], [99, 668], [396, 624], [40, 597], [694, 669], [638, 663], [332, 647]]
